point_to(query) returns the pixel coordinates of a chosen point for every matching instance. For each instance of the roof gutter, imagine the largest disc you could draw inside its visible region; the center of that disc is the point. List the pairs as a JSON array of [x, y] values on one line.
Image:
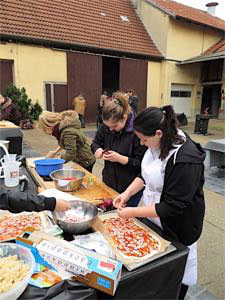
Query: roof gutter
[[57, 45], [202, 58]]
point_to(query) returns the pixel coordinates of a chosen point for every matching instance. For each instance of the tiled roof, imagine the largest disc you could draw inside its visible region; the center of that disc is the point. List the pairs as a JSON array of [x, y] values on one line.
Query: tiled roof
[[218, 47], [88, 23], [183, 11]]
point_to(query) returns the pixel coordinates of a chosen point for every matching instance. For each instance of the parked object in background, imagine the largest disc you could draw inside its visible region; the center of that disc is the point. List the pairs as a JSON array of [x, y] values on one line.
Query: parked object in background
[[201, 123], [182, 119], [26, 124]]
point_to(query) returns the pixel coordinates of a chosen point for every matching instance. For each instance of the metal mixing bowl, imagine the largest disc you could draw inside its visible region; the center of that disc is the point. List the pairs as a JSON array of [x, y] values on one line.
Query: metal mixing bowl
[[61, 184], [80, 209]]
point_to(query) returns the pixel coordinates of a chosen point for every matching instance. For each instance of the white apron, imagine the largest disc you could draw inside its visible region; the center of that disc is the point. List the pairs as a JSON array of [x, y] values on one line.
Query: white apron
[[153, 171]]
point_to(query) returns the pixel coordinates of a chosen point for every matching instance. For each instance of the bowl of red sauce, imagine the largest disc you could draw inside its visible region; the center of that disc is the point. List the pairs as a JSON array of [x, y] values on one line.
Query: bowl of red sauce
[[67, 180]]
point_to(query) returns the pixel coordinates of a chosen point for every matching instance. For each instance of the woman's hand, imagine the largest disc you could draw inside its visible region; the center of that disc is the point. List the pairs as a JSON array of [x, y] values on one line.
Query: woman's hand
[[62, 205], [51, 154], [98, 153], [115, 157], [121, 199], [126, 212]]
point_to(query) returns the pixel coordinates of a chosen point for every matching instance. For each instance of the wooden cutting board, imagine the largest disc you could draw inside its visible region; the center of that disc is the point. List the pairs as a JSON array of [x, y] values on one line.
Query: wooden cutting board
[[95, 189]]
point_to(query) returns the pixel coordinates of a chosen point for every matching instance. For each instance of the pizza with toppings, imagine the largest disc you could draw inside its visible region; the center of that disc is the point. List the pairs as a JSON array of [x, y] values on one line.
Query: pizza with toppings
[[13, 225], [130, 239]]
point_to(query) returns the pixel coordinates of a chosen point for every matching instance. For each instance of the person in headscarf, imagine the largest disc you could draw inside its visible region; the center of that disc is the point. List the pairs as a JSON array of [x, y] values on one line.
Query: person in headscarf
[[66, 128]]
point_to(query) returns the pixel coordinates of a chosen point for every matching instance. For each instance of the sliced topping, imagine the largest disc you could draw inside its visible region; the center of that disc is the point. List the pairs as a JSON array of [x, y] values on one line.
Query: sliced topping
[[131, 239]]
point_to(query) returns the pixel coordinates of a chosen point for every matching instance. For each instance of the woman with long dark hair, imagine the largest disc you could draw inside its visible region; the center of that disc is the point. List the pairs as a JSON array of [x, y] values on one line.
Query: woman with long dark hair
[[173, 177]]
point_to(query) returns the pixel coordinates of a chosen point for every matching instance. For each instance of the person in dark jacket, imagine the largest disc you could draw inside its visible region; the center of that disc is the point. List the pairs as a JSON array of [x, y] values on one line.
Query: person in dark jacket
[[117, 144], [133, 100], [66, 128], [17, 202], [173, 176], [9, 111]]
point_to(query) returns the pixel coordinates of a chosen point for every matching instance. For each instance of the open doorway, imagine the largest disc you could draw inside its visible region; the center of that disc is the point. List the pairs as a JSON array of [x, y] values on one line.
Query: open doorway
[[110, 74], [211, 99]]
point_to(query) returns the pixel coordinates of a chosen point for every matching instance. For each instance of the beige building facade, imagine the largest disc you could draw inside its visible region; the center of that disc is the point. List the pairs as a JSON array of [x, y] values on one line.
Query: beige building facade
[[177, 40], [33, 66]]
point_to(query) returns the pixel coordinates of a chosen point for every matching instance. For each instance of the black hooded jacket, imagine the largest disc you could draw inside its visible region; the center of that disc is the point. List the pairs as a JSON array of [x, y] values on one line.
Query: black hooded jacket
[[182, 206], [17, 202], [125, 142]]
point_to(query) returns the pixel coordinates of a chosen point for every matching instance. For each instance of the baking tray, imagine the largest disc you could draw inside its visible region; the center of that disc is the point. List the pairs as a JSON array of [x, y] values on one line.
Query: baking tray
[[135, 265], [45, 221]]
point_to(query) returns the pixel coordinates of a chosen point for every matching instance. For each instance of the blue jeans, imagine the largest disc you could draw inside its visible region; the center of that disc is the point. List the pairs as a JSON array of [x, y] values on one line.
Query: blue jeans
[[135, 199]]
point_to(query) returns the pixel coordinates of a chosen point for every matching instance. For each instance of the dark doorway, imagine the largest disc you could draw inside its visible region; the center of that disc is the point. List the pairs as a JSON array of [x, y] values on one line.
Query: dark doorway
[[110, 74], [211, 99], [6, 74]]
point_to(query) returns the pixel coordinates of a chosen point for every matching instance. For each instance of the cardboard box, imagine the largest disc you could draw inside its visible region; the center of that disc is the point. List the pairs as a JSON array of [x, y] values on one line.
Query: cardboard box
[[80, 264]]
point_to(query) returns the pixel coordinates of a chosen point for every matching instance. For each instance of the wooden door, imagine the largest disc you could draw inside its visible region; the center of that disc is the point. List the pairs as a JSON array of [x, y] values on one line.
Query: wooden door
[[48, 96], [6, 73], [60, 97], [133, 75], [84, 75]]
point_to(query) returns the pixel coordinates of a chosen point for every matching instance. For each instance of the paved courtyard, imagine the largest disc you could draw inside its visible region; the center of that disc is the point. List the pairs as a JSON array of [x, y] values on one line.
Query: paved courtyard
[[211, 246]]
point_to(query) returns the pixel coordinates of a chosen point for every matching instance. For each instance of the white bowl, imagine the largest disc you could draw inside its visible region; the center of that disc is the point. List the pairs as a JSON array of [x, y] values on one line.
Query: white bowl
[[23, 253]]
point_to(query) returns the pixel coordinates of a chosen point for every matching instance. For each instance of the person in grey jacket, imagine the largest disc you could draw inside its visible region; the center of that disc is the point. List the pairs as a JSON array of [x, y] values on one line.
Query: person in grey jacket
[[17, 202]]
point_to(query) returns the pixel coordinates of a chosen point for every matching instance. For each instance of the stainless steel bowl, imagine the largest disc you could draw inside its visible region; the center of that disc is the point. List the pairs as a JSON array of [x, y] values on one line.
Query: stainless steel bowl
[[61, 184], [80, 209]]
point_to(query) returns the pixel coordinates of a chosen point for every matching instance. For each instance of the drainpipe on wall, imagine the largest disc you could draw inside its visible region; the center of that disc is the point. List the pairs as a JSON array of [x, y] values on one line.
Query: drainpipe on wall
[[211, 8]]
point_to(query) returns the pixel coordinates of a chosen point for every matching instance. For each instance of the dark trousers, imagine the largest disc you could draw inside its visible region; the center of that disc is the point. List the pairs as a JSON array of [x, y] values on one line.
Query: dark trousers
[[183, 291], [81, 118]]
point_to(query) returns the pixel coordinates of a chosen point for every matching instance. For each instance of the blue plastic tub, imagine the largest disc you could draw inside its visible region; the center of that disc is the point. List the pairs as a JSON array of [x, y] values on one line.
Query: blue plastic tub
[[45, 166]]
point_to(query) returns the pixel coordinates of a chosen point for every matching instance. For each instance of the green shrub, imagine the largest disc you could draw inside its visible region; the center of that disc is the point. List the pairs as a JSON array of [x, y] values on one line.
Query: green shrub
[[28, 110]]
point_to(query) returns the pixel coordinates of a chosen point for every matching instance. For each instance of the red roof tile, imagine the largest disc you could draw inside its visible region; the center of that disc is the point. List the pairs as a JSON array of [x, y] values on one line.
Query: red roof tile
[[78, 22], [189, 13], [217, 47]]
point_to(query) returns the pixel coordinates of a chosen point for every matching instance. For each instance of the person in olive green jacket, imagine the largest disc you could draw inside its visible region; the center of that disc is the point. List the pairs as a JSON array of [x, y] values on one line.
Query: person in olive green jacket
[[66, 127]]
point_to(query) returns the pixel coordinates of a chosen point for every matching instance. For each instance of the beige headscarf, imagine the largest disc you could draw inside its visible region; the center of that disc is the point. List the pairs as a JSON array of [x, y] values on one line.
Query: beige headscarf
[[48, 119]]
